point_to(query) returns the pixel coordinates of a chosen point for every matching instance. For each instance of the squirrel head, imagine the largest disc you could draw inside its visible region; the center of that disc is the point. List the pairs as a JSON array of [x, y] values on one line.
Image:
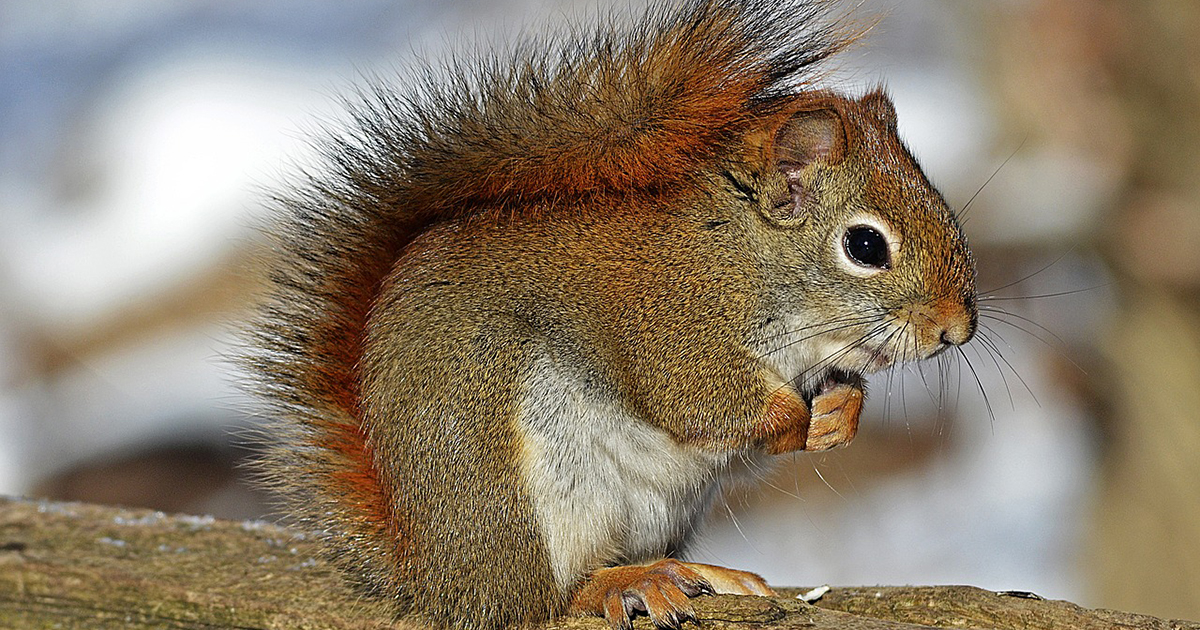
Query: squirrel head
[[859, 251]]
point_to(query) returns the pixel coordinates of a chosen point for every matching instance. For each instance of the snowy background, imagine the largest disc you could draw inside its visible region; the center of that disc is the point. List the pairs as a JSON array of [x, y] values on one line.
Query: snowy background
[[137, 138]]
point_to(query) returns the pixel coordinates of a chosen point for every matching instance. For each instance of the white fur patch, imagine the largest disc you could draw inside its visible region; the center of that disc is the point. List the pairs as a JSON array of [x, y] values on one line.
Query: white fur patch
[[791, 347], [606, 486]]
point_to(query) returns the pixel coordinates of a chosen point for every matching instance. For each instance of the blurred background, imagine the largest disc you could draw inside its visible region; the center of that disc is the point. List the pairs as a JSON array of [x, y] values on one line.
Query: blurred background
[[137, 139]]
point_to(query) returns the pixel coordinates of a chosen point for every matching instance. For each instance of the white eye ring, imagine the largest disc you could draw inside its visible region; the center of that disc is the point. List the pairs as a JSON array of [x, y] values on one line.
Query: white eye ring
[[865, 266]]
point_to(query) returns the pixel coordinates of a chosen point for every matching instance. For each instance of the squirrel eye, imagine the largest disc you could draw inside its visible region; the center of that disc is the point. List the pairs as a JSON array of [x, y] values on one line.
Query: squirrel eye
[[867, 247]]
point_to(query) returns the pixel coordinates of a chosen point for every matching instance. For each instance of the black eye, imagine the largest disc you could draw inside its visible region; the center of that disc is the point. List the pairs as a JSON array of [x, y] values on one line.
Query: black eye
[[867, 247]]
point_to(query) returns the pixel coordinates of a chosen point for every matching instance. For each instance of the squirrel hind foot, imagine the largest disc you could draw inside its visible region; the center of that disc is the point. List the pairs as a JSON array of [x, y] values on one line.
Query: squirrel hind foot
[[660, 590]]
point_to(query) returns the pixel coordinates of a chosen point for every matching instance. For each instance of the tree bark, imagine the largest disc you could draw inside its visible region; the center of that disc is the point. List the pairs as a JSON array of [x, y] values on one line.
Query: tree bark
[[73, 565]]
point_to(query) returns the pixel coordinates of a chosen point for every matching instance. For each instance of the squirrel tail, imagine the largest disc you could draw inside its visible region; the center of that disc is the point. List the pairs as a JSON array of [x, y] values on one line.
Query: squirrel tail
[[610, 111], [604, 111]]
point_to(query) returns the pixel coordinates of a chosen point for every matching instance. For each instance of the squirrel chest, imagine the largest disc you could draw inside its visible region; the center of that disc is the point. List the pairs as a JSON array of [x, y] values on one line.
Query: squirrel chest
[[609, 489]]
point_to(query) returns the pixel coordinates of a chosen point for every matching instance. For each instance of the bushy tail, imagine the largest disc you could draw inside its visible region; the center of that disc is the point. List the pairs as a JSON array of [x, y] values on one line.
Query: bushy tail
[[603, 111], [609, 111]]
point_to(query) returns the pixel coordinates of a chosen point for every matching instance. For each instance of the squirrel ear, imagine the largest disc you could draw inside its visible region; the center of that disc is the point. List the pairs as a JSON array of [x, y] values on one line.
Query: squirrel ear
[[807, 136]]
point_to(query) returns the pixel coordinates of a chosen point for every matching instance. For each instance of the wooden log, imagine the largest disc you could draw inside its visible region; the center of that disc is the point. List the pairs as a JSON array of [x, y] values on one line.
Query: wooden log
[[73, 565]]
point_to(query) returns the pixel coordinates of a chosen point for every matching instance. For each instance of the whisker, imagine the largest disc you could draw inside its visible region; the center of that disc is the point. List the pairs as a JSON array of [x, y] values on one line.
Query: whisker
[[961, 214], [865, 316], [1025, 278], [992, 343], [933, 398], [991, 314], [788, 493], [979, 382], [1006, 298], [736, 525], [834, 327], [761, 474], [995, 313], [825, 481], [805, 338], [920, 367], [840, 323], [796, 478], [992, 351], [947, 429], [904, 391], [892, 372], [820, 366], [887, 397], [944, 382]]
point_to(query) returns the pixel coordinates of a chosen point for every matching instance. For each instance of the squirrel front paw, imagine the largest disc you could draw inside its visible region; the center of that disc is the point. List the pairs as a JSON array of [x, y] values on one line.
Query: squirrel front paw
[[834, 419], [660, 590], [817, 420]]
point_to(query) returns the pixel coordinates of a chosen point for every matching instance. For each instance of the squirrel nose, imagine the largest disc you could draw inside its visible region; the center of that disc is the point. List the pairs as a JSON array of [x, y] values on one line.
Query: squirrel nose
[[946, 340], [958, 333]]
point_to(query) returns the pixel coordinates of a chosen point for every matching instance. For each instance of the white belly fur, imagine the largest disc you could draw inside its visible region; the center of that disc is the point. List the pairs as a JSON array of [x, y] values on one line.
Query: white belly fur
[[606, 486]]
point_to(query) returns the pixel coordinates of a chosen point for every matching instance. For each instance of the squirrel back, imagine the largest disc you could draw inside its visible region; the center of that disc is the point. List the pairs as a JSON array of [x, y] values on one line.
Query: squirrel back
[[552, 132]]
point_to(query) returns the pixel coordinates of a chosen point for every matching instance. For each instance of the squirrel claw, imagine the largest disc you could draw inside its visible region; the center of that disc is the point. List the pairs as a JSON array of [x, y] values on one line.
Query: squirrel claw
[[618, 611], [661, 591]]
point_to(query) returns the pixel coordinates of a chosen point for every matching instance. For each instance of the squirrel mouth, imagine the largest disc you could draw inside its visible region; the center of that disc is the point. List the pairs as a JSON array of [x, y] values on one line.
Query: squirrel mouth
[[832, 378]]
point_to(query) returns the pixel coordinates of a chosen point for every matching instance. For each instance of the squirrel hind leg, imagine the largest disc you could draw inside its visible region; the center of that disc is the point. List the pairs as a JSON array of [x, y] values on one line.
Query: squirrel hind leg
[[660, 590]]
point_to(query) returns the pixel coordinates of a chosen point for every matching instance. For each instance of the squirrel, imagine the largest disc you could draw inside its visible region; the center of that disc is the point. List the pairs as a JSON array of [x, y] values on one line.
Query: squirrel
[[541, 302]]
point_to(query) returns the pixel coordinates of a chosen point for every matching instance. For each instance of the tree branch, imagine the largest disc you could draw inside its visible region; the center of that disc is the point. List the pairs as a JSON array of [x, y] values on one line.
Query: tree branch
[[86, 566]]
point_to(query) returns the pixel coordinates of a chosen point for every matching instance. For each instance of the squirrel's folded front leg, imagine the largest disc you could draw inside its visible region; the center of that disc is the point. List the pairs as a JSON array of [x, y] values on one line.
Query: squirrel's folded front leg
[[661, 590]]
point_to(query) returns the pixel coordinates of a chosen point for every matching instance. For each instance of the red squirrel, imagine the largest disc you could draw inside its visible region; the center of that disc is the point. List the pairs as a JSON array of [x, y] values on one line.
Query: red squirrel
[[540, 302]]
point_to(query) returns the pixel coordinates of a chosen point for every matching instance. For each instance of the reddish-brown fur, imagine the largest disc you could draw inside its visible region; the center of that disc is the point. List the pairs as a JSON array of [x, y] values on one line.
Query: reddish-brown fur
[[786, 421]]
